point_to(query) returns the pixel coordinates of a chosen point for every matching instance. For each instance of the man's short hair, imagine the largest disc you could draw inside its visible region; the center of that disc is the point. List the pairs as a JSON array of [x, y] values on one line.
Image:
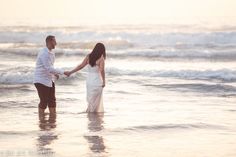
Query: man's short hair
[[49, 38]]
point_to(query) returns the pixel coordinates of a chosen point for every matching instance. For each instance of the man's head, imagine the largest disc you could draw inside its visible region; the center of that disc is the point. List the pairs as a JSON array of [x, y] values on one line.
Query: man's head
[[51, 42]]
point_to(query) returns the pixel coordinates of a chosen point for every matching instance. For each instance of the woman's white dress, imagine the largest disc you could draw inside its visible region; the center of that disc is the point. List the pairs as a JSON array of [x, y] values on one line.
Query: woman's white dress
[[94, 90]]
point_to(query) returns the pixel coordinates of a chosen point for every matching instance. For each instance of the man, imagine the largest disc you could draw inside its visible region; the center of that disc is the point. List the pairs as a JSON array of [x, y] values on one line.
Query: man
[[43, 77]]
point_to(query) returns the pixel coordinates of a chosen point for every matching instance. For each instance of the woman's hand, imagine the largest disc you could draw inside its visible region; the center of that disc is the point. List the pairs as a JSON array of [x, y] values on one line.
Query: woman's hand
[[103, 85]]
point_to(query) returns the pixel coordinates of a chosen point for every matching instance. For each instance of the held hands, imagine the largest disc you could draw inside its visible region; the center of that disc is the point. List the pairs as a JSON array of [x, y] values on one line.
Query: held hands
[[67, 73]]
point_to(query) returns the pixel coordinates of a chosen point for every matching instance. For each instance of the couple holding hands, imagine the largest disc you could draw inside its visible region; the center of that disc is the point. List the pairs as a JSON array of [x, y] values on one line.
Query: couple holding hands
[[45, 72]]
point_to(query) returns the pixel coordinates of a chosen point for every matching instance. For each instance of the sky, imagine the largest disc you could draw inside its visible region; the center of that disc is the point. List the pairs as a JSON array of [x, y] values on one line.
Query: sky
[[114, 11]]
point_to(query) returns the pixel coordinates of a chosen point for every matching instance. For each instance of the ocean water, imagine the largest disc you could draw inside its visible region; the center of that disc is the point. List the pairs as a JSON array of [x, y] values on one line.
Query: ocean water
[[170, 91]]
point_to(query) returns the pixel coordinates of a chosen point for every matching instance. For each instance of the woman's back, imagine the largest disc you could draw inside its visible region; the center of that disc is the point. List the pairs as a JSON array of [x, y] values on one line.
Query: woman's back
[[94, 89], [94, 76]]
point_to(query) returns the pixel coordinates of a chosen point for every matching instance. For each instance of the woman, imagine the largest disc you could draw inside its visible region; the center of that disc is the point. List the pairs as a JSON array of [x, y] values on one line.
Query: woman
[[96, 77]]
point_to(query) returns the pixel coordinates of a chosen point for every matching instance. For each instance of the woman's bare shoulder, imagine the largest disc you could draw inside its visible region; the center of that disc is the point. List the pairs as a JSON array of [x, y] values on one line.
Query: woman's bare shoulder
[[87, 56]]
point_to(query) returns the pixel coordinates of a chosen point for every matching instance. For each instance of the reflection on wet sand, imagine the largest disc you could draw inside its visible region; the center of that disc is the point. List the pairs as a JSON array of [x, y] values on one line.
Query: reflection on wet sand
[[46, 135], [96, 143]]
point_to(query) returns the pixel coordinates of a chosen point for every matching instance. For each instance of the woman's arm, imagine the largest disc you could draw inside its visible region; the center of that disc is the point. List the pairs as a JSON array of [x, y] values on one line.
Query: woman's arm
[[80, 66], [102, 69]]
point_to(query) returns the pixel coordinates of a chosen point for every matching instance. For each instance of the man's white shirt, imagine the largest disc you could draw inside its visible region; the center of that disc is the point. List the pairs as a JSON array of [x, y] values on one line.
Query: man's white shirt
[[44, 70]]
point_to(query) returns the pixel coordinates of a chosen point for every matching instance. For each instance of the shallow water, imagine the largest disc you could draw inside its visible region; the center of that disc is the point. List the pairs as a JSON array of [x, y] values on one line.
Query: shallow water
[[167, 94]]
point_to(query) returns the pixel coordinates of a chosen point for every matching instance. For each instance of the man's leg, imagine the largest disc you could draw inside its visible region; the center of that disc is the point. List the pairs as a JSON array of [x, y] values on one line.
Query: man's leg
[[42, 120], [52, 101], [41, 113], [43, 93], [52, 110]]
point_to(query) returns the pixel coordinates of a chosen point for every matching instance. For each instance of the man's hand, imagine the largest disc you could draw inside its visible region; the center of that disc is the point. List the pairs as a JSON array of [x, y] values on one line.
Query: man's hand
[[57, 76]]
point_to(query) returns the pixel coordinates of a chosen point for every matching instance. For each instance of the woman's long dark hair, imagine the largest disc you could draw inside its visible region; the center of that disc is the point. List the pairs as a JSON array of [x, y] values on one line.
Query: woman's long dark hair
[[97, 52]]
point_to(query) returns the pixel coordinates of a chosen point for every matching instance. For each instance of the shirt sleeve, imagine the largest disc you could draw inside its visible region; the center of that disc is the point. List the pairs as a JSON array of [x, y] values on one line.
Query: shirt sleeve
[[48, 65]]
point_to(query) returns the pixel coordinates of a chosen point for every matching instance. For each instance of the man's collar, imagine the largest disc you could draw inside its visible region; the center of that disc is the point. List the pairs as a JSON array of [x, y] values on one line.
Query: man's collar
[[50, 51]]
